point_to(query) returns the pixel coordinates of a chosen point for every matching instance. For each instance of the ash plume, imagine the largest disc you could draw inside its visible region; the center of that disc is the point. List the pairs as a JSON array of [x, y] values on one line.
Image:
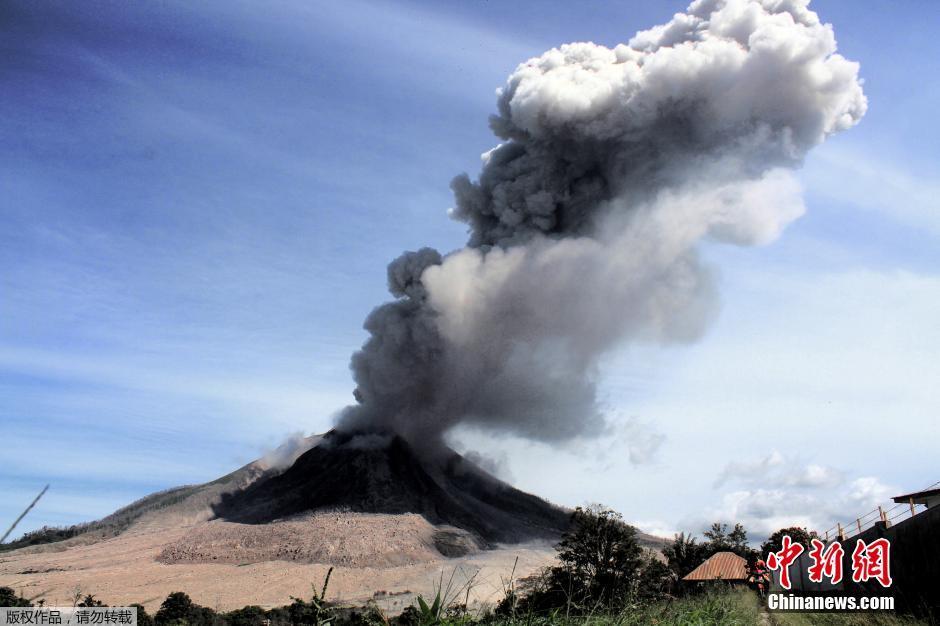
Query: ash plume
[[585, 223]]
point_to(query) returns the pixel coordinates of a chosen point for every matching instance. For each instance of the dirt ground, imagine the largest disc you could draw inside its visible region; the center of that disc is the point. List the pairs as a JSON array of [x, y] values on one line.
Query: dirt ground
[[348, 539], [388, 559]]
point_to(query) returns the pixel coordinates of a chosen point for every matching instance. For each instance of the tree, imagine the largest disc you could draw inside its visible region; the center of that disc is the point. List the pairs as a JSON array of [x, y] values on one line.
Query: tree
[[178, 608], [143, 618], [655, 581], [717, 537], [737, 539], [246, 616], [8, 597], [684, 554], [600, 557], [774, 543], [720, 539]]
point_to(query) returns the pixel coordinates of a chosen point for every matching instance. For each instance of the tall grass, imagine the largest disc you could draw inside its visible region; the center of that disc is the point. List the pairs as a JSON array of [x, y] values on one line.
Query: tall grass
[[843, 619], [725, 607]]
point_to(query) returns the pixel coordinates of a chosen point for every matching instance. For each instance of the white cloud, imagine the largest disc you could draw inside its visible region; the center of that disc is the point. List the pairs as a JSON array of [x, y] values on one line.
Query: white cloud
[[780, 492], [642, 440], [656, 527], [775, 470]]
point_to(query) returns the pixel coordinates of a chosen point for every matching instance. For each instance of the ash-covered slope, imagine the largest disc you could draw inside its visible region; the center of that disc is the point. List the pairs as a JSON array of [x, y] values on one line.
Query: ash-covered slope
[[384, 474], [175, 507]]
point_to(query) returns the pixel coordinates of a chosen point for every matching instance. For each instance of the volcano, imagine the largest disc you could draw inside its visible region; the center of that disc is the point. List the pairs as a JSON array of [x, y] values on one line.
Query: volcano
[[383, 473], [386, 514], [304, 500]]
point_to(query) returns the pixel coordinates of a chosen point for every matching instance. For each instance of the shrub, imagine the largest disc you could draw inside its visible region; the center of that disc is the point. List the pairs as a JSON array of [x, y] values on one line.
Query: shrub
[[8, 597], [179, 609], [245, 616], [655, 581], [143, 618]]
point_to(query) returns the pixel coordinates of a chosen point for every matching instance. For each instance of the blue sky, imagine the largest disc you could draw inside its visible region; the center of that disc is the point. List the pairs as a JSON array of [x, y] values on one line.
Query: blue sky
[[198, 201]]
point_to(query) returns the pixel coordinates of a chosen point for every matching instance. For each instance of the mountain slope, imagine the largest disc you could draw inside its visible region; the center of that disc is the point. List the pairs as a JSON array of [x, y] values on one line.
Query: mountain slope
[[373, 474]]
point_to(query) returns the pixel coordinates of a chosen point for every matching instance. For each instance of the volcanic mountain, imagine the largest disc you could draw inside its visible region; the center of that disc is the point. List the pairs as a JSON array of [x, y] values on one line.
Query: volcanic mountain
[[389, 517], [373, 473], [305, 500]]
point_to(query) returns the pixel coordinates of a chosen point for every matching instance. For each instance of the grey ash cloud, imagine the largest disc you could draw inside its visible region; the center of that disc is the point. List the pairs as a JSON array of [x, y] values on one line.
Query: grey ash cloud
[[614, 166]]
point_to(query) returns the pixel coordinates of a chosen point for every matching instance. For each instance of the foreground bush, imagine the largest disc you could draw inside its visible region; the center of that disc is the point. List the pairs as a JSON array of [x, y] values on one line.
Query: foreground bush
[[8, 597]]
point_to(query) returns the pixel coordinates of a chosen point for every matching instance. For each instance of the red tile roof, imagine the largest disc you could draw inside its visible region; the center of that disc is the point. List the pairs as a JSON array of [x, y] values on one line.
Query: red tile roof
[[721, 565]]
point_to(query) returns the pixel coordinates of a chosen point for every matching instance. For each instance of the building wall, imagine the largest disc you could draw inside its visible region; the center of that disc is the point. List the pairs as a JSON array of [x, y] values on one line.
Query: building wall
[[915, 566]]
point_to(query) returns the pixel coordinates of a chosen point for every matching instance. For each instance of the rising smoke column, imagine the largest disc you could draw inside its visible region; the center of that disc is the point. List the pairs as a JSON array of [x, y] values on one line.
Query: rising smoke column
[[586, 219]]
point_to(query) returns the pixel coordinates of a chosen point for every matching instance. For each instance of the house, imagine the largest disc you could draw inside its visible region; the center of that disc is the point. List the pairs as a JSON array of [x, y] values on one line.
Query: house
[[929, 498], [724, 566]]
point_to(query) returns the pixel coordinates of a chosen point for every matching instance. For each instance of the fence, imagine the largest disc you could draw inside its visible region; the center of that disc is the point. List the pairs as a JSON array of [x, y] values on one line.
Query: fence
[[892, 515], [914, 562]]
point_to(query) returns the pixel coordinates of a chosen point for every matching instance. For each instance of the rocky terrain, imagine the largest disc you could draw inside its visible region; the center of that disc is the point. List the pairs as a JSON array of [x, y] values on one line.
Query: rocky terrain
[[347, 539], [130, 568]]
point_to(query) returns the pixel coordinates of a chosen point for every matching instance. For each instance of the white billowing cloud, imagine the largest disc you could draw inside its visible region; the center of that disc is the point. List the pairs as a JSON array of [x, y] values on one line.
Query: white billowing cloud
[[732, 56], [750, 470], [777, 491], [777, 471], [656, 527], [816, 476]]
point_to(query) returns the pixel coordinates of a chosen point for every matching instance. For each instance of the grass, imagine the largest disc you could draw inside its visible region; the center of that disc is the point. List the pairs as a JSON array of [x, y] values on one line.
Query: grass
[[731, 608], [728, 608], [739, 607], [843, 619]]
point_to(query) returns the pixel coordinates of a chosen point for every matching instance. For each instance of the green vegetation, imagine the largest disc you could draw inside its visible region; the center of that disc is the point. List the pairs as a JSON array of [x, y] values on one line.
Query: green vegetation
[[685, 553], [843, 619]]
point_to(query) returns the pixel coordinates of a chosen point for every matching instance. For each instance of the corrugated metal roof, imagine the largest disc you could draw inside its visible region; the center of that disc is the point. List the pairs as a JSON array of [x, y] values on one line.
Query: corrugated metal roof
[[723, 565]]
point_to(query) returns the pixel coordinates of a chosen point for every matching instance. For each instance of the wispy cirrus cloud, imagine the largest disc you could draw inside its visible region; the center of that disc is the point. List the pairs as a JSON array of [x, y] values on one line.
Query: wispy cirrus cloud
[[907, 193]]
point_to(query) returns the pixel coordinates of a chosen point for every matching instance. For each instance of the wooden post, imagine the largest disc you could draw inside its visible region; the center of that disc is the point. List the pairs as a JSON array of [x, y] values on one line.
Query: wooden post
[[884, 517], [841, 534], [858, 522], [912, 507], [827, 536]]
